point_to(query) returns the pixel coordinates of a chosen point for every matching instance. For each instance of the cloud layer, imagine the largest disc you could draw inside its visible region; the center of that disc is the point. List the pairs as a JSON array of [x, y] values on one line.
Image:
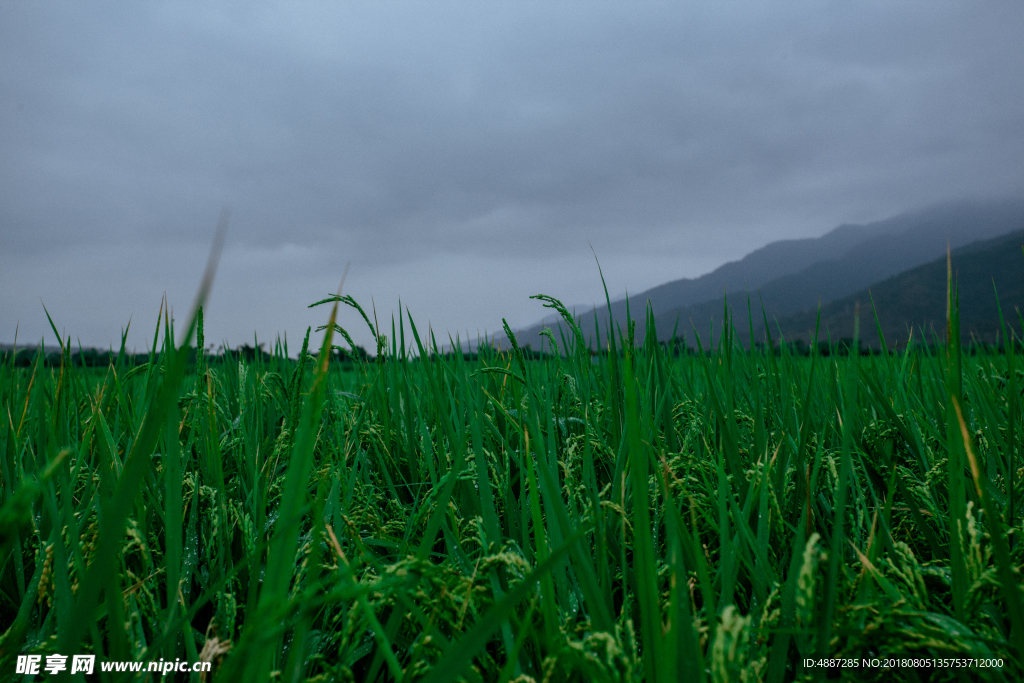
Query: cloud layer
[[462, 155]]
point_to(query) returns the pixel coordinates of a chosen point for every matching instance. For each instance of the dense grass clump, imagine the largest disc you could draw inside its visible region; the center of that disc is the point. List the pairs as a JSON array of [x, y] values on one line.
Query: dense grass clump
[[634, 515]]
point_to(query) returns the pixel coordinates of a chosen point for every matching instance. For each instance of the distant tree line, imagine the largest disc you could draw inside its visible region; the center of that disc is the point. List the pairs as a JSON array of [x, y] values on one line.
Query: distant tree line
[[95, 358], [675, 347]]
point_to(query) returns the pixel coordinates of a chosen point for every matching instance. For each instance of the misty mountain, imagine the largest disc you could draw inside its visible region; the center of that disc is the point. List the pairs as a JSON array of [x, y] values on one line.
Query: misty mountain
[[917, 299], [792, 276]]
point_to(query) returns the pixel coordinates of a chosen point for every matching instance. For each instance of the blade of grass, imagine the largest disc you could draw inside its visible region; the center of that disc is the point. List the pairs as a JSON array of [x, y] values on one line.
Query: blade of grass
[[115, 513]]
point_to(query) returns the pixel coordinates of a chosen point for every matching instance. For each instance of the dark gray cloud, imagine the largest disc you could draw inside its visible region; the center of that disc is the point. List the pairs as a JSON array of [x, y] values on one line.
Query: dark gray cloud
[[461, 154]]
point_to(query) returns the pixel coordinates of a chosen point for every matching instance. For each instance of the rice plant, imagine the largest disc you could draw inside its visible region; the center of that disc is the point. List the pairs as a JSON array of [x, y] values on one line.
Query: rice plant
[[600, 512]]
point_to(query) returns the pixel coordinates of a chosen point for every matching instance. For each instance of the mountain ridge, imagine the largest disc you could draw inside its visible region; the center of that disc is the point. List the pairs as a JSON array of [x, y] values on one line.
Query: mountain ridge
[[916, 299], [789, 276]]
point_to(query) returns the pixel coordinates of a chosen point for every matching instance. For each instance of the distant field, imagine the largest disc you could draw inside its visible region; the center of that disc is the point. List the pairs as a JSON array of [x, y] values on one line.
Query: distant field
[[727, 515]]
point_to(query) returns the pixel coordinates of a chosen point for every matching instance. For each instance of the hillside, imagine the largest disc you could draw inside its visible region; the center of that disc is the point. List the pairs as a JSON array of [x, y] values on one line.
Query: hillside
[[916, 298], [791, 276]]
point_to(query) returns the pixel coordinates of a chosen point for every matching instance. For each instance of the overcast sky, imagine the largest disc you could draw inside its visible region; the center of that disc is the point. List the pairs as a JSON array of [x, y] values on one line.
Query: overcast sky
[[462, 155]]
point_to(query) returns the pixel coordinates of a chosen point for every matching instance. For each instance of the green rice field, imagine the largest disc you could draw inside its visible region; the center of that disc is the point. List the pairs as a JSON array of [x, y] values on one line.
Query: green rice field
[[644, 512]]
